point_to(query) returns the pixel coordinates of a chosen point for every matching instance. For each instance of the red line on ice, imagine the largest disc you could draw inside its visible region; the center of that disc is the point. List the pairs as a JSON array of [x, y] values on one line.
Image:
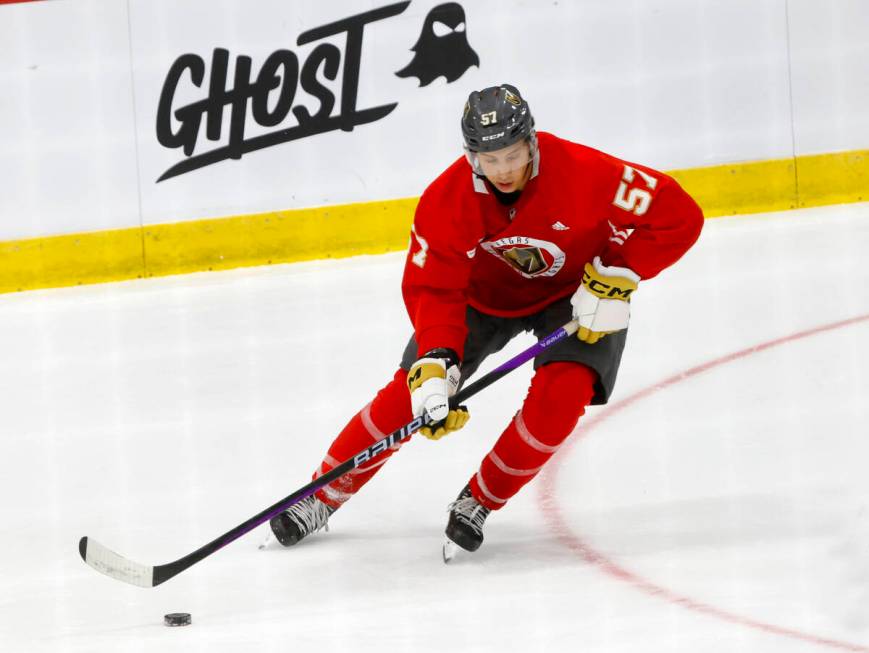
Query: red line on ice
[[556, 521]]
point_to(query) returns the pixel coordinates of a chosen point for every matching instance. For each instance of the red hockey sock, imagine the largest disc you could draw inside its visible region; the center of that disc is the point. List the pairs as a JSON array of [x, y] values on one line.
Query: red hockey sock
[[389, 410], [555, 401]]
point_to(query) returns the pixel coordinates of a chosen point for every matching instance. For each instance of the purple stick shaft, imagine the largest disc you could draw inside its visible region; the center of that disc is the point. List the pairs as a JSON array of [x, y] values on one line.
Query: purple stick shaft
[[520, 358], [531, 352]]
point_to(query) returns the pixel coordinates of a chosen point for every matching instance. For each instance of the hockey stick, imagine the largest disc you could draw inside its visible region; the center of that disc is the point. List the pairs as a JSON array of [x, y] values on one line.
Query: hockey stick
[[120, 568]]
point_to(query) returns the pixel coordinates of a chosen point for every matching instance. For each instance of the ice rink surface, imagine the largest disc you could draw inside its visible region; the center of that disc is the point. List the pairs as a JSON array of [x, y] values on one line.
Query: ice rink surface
[[720, 503]]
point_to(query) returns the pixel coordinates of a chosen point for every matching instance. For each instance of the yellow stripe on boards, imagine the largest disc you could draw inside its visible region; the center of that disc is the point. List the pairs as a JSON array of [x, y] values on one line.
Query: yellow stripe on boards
[[377, 227], [71, 260], [279, 237], [779, 184], [839, 178], [740, 188], [213, 244]]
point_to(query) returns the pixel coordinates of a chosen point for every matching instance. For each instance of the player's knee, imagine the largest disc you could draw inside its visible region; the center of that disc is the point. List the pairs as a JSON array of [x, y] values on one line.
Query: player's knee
[[390, 409], [557, 398]]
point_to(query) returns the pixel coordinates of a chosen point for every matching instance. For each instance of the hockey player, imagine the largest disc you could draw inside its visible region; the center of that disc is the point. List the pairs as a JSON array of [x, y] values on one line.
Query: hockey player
[[524, 233]]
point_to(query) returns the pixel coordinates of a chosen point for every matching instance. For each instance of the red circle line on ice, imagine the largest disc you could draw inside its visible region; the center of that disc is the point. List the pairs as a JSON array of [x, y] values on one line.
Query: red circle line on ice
[[559, 525]]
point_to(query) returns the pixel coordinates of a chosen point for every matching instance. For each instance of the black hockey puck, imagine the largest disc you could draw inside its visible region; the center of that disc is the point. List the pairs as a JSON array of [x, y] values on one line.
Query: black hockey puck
[[177, 619]]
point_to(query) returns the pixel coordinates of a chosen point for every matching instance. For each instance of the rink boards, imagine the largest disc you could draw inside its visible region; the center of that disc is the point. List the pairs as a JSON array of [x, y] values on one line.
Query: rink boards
[[153, 138]]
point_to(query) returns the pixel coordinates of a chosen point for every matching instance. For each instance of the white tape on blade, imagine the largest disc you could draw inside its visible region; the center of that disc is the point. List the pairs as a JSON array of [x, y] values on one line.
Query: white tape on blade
[[111, 564]]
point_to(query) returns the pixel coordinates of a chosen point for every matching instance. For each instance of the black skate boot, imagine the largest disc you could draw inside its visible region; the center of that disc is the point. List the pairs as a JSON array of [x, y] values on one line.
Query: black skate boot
[[465, 527], [300, 520]]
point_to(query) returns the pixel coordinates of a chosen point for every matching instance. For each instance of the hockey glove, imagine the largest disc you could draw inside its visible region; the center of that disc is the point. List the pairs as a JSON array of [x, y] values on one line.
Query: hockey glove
[[601, 305], [432, 380]]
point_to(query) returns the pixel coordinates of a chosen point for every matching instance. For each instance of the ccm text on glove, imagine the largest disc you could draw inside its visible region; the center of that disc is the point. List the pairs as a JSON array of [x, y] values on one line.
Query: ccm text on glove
[[601, 305]]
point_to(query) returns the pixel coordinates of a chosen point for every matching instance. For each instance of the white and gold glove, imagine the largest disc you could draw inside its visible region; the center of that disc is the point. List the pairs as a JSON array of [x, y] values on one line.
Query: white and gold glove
[[432, 380], [601, 304]]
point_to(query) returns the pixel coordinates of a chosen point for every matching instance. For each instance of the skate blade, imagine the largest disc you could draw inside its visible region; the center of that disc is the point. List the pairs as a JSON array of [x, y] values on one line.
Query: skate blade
[[266, 543], [450, 550]]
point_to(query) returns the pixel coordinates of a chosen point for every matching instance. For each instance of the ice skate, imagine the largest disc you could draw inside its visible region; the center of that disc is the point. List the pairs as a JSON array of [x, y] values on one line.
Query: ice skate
[[300, 520], [465, 526]]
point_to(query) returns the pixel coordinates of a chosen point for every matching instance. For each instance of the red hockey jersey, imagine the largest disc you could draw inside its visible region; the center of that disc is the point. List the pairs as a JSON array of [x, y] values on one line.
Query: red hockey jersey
[[469, 249]]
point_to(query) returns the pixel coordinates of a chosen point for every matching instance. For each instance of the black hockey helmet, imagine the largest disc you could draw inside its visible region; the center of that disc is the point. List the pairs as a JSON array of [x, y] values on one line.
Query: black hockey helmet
[[496, 117]]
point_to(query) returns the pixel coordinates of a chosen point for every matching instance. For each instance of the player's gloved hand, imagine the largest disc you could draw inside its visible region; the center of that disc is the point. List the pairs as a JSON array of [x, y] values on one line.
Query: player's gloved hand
[[601, 304], [432, 380], [455, 420]]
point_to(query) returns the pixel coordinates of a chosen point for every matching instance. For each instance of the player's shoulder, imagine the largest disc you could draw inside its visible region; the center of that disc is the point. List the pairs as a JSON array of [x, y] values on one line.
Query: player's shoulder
[[556, 147], [448, 210], [605, 175], [454, 182], [590, 160]]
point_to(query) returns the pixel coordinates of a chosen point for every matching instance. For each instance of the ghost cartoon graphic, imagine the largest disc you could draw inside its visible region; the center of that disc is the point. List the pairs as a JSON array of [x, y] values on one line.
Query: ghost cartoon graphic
[[442, 49]]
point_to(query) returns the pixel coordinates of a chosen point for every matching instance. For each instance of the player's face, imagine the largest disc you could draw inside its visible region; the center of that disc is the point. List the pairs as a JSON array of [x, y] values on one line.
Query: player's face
[[509, 168]]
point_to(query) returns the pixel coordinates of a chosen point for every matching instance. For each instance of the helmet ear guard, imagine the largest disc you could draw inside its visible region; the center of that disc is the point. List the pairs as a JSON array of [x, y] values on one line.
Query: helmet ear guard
[[535, 151], [474, 161]]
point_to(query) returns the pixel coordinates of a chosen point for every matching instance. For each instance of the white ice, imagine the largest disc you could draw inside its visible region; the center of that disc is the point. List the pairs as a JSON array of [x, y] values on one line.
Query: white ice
[[727, 510]]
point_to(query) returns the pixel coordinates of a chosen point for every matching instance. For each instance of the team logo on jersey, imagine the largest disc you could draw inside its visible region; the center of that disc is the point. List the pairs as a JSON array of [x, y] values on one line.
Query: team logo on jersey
[[529, 257]]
